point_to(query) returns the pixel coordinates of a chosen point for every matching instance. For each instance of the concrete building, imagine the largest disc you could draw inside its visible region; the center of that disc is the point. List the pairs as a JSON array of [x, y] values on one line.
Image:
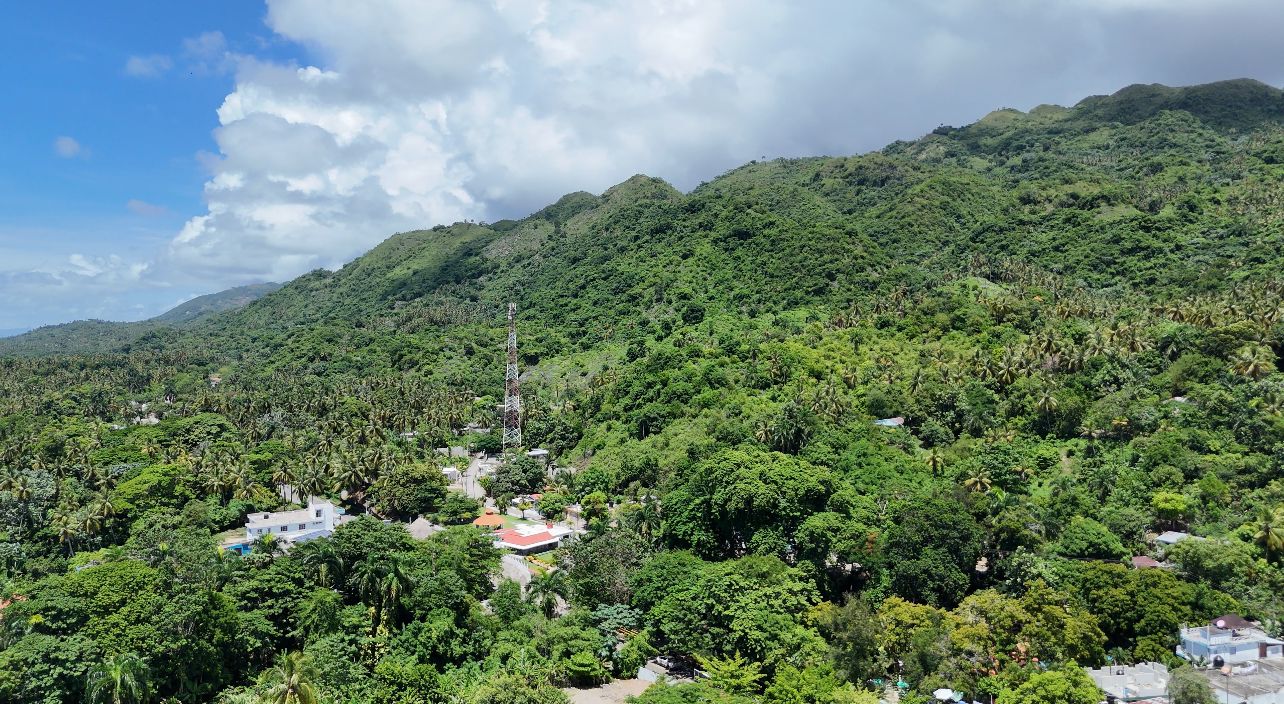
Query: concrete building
[[318, 520], [1258, 682], [1147, 680], [1232, 639]]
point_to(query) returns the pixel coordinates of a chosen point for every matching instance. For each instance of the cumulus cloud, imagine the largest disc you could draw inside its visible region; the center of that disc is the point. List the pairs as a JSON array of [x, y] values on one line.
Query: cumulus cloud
[[422, 112], [149, 66], [67, 147], [411, 113]]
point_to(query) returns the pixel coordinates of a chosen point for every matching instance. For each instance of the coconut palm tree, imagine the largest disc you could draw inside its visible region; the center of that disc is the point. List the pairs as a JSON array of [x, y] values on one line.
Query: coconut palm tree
[[1253, 361], [290, 680], [935, 461], [1270, 531], [979, 483], [544, 591], [120, 679], [267, 544]]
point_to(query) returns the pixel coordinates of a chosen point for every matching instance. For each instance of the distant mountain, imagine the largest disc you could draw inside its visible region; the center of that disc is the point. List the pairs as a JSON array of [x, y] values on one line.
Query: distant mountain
[[102, 336], [231, 299]]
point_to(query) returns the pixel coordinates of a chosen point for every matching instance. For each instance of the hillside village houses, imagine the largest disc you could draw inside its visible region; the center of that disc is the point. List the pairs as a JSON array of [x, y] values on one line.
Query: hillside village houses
[[318, 520]]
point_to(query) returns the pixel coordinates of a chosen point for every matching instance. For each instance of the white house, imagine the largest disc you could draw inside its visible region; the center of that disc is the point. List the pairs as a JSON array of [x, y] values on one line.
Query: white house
[[1232, 639], [1147, 680], [318, 520]]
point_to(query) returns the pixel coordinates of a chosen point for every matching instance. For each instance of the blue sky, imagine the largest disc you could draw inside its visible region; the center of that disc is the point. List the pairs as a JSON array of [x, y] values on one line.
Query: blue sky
[[132, 172], [152, 152]]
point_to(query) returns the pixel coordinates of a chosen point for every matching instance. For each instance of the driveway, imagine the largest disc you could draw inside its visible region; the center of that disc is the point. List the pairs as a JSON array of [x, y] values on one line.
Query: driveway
[[616, 692], [468, 480]]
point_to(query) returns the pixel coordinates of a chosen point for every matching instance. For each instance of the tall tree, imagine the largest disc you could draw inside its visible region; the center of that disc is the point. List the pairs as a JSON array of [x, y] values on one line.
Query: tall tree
[[120, 679]]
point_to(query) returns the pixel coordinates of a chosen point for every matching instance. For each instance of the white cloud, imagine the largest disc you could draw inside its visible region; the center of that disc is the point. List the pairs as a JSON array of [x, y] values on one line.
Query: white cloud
[[207, 53], [67, 147], [420, 112], [430, 111], [149, 66]]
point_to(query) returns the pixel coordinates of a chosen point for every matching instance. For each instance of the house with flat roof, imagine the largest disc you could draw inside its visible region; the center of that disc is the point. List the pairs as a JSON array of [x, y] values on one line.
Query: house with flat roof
[[1132, 683], [318, 520], [1230, 638], [1256, 682]]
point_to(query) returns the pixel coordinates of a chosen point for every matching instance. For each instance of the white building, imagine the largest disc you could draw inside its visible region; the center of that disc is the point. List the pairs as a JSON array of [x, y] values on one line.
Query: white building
[[1147, 680], [1232, 639], [318, 520], [1258, 682]]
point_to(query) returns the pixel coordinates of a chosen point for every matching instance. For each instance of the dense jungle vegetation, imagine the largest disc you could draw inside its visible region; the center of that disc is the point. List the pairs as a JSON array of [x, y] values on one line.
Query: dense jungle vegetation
[[1076, 311]]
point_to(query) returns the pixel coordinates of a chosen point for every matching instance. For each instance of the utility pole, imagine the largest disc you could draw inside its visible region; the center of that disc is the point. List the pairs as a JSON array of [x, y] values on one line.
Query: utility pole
[[512, 388]]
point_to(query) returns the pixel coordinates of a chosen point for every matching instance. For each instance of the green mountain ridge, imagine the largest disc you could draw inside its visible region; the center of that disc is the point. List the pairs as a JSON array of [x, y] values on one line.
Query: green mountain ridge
[[928, 202], [83, 336]]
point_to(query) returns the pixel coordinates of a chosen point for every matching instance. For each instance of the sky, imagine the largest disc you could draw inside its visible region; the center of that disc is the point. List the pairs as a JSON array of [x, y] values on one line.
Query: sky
[[152, 152]]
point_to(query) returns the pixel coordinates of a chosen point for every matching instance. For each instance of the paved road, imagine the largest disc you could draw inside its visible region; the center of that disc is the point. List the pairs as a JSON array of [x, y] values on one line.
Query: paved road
[[468, 480]]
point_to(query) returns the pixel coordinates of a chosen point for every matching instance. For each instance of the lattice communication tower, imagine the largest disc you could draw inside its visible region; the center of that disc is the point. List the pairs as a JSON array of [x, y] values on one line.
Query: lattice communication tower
[[512, 387]]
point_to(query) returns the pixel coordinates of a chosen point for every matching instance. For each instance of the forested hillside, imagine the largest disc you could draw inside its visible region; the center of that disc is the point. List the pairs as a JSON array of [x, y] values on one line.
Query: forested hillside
[[88, 336], [1076, 313]]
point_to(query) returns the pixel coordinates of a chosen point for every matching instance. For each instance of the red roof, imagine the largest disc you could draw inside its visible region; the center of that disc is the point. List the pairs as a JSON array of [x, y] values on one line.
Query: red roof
[[513, 537], [1142, 561]]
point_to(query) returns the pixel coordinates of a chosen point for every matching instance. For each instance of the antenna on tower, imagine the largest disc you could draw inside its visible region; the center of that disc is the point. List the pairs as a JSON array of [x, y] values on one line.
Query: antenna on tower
[[512, 387]]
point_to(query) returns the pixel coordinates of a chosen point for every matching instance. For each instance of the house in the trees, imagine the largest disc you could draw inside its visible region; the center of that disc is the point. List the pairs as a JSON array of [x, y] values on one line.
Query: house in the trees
[[530, 539], [1230, 638], [318, 520]]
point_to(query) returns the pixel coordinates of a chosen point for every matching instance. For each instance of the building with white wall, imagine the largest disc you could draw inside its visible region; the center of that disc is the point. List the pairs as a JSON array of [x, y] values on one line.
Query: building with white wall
[[1232, 639], [316, 521], [1131, 683]]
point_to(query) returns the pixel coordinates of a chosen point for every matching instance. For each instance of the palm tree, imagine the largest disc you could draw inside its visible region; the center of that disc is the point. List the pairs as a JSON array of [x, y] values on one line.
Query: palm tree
[[290, 680], [267, 544], [65, 527], [283, 476], [321, 557], [935, 461], [1253, 361], [120, 679], [544, 590], [978, 483], [349, 476], [1270, 531]]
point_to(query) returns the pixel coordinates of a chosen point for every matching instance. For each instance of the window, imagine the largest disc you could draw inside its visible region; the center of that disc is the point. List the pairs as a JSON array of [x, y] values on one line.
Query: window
[[318, 513], [303, 526], [284, 528]]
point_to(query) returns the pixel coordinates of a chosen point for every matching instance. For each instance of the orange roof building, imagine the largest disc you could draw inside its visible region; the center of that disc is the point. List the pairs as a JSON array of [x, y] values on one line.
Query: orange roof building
[[489, 520]]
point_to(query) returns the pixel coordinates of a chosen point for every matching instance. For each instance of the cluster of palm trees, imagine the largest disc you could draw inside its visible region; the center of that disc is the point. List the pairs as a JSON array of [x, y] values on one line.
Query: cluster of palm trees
[[341, 436]]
